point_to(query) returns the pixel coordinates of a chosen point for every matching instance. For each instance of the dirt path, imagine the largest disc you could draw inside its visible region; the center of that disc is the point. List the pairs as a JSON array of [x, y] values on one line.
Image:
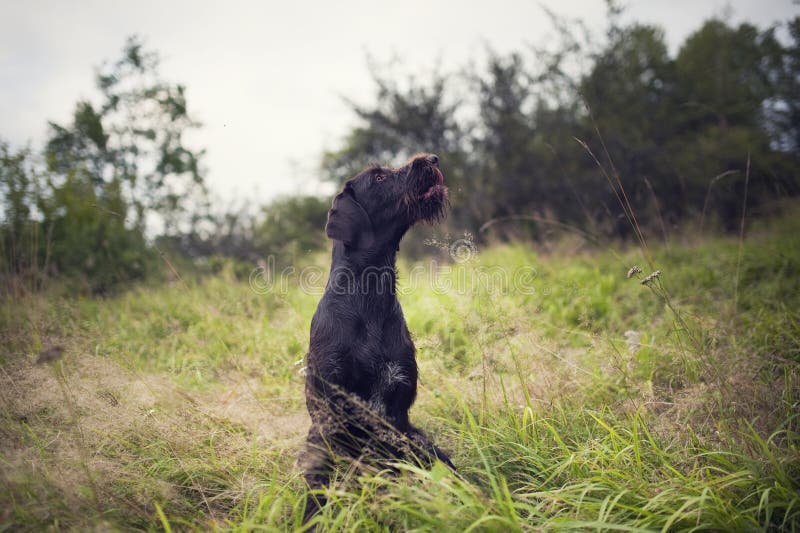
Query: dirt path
[[78, 424]]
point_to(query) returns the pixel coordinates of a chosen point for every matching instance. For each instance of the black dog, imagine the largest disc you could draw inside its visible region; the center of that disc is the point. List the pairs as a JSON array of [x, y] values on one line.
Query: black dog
[[362, 374]]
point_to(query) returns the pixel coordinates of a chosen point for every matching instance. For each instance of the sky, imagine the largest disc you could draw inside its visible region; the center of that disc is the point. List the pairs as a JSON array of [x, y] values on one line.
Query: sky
[[268, 80]]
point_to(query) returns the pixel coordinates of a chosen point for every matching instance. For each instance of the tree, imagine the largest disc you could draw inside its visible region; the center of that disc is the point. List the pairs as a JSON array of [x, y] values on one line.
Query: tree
[[723, 88], [401, 122], [783, 105], [505, 141], [721, 79], [134, 141], [406, 119], [18, 235], [116, 171], [675, 132], [629, 97]]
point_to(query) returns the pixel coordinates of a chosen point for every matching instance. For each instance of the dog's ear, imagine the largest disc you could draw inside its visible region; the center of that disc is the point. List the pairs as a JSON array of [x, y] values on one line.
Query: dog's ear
[[349, 223]]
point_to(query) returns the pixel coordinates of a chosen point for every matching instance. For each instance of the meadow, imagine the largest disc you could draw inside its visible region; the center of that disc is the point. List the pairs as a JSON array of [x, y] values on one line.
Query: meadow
[[571, 391]]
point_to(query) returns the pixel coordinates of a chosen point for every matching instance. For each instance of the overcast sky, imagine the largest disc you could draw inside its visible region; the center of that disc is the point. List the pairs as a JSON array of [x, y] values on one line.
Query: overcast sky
[[267, 78]]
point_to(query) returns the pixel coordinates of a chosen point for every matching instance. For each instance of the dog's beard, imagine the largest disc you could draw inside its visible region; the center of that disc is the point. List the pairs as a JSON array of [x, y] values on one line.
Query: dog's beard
[[426, 197]]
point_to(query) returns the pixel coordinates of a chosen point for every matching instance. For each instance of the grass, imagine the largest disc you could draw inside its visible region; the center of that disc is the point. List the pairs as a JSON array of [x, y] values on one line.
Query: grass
[[570, 396]]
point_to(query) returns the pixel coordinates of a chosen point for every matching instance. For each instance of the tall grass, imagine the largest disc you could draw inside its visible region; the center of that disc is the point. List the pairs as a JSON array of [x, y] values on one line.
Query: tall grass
[[588, 401]]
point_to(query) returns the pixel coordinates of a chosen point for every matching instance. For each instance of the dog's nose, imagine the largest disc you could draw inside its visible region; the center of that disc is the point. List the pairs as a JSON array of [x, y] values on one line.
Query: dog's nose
[[433, 159]]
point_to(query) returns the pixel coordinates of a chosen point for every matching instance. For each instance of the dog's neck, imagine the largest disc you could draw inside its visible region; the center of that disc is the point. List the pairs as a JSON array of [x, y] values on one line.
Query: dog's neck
[[382, 252], [366, 271], [359, 260]]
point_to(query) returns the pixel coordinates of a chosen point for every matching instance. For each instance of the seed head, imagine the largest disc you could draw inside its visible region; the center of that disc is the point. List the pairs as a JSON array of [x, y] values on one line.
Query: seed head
[[651, 277], [633, 271]]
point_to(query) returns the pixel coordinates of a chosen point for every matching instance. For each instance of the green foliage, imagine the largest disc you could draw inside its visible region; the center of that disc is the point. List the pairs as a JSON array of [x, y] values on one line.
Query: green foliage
[[281, 233], [403, 118], [673, 134], [84, 213], [65, 225], [407, 117], [291, 228], [89, 240], [18, 182], [134, 140], [783, 110]]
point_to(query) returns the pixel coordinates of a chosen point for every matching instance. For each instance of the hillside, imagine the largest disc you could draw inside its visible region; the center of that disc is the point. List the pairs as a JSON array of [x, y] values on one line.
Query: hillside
[[570, 396]]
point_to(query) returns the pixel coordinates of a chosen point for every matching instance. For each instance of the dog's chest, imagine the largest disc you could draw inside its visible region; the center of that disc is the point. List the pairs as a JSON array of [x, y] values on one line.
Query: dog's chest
[[380, 351], [378, 339]]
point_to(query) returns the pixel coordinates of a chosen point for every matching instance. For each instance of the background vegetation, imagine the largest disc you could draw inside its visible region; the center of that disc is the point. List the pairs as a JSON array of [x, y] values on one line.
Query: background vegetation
[[571, 135], [151, 378]]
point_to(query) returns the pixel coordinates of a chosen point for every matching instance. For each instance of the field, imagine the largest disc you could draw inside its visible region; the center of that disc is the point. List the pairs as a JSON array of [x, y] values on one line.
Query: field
[[570, 396]]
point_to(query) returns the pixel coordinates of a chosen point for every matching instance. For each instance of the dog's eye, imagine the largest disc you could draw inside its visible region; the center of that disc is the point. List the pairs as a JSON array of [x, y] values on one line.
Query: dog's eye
[[380, 177]]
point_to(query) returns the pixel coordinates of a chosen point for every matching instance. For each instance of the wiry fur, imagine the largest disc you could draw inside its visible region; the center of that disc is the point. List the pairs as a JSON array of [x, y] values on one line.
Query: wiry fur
[[362, 372]]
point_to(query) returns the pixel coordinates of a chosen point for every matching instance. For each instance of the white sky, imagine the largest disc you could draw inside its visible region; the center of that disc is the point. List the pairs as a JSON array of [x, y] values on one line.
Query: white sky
[[267, 78]]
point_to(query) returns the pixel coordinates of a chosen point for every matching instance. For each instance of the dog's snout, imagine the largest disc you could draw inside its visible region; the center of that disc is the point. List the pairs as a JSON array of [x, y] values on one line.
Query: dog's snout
[[433, 159]]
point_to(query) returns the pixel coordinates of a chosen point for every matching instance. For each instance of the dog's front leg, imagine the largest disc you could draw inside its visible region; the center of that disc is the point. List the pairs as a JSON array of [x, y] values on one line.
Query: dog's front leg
[[426, 450]]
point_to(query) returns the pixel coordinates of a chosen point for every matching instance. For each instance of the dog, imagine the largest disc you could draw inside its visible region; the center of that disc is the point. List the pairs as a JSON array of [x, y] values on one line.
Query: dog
[[361, 376]]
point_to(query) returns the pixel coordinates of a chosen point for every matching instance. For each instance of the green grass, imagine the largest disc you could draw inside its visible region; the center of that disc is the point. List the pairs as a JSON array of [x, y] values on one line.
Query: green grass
[[579, 400]]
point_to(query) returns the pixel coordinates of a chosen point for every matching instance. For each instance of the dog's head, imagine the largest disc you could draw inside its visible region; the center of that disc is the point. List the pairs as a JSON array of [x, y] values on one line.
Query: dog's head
[[377, 206]]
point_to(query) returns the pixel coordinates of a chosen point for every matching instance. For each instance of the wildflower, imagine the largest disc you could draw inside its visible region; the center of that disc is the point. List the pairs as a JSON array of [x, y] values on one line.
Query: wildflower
[[651, 277], [633, 339], [633, 271], [303, 369]]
